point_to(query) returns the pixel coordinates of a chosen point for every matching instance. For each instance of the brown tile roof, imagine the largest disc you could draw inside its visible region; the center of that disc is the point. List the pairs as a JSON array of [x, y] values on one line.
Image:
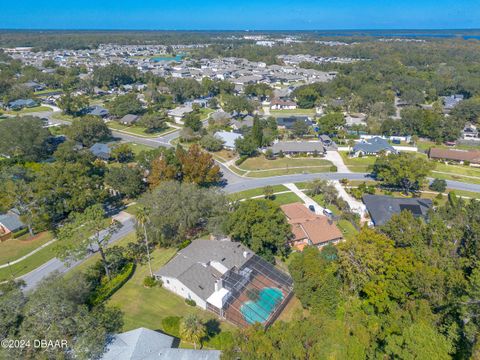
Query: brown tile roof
[[307, 225], [472, 156]]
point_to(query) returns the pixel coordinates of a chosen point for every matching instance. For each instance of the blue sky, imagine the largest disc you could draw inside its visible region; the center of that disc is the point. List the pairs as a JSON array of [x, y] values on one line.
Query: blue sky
[[240, 14]]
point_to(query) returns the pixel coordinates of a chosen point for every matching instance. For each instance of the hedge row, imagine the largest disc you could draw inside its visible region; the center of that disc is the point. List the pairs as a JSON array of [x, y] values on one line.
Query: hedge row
[[108, 289]]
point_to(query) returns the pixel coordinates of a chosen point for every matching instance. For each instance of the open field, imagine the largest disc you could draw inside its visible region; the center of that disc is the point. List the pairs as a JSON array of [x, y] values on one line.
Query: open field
[[13, 249]]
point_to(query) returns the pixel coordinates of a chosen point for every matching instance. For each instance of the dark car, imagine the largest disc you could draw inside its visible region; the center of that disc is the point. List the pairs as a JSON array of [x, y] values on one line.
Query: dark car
[[311, 207]]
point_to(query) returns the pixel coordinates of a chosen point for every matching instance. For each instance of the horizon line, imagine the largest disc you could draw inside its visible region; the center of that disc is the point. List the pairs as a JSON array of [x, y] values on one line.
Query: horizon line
[[242, 30]]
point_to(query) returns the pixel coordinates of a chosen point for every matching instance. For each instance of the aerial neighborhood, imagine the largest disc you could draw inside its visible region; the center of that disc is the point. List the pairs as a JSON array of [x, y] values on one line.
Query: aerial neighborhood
[[239, 195]]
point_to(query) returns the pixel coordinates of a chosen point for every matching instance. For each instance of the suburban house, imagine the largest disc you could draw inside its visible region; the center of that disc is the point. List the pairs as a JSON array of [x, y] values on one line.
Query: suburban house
[[470, 132], [297, 147], [22, 103], [373, 146], [279, 104], [287, 122], [129, 119], [101, 151], [9, 224], [228, 279], [146, 344], [97, 111], [179, 112], [355, 120], [381, 207], [310, 229], [238, 124], [449, 102], [228, 138], [461, 156], [33, 85]]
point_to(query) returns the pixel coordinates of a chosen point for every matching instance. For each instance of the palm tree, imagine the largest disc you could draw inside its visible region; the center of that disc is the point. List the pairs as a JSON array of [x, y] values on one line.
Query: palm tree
[[142, 221], [192, 329]]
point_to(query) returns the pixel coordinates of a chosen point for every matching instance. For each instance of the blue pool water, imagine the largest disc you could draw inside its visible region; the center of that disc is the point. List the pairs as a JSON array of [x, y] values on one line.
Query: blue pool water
[[177, 58], [260, 310]]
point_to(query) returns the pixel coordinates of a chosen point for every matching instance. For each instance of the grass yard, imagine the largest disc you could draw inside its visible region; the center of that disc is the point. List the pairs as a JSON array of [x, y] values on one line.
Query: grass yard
[[255, 192], [426, 145], [29, 264], [287, 198], [289, 112], [136, 130], [300, 170], [347, 229], [456, 172], [138, 148], [29, 110], [13, 249], [359, 164], [261, 163], [224, 155]]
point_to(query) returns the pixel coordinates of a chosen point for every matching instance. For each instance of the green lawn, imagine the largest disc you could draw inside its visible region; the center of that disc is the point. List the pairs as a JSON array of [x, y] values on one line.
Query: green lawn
[[29, 110], [307, 112], [426, 145], [255, 192], [138, 148], [136, 130], [29, 264], [456, 172], [359, 164], [287, 198], [261, 163], [301, 170], [13, 249], [347, 229]]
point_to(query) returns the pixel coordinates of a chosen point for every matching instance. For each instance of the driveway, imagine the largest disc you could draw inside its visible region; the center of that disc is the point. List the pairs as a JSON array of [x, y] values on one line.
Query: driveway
[[356, 206], [337, 160], [306, 199]]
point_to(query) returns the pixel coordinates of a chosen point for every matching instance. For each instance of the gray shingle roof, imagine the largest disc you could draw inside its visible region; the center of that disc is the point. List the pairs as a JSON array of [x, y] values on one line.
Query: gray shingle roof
[[192, 264], [382, 208], [11, 221], [373, 146], [146, 344], [297, 146]]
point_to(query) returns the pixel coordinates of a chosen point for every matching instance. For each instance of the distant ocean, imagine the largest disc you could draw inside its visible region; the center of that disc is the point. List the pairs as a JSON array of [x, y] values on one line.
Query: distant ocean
[[440, 34]]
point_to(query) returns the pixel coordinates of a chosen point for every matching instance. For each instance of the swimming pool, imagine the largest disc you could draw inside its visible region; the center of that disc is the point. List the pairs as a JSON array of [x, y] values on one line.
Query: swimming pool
[[260, 310]]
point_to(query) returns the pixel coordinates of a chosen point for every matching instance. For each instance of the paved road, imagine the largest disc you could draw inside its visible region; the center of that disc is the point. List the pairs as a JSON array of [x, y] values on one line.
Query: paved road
[[34, 277]]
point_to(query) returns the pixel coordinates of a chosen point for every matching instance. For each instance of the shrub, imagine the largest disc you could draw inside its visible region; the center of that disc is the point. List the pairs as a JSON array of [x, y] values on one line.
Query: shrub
[[344, 181], [184, 244], [241, 160], [438, 185], [221, 341], [149, 281], [109, 288], [333, 168], [171, 325], [190, 302], [19, 233]]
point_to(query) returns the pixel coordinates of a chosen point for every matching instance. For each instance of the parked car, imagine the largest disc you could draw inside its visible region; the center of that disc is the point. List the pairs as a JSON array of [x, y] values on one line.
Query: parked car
[[311, 207], [327, 212]]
